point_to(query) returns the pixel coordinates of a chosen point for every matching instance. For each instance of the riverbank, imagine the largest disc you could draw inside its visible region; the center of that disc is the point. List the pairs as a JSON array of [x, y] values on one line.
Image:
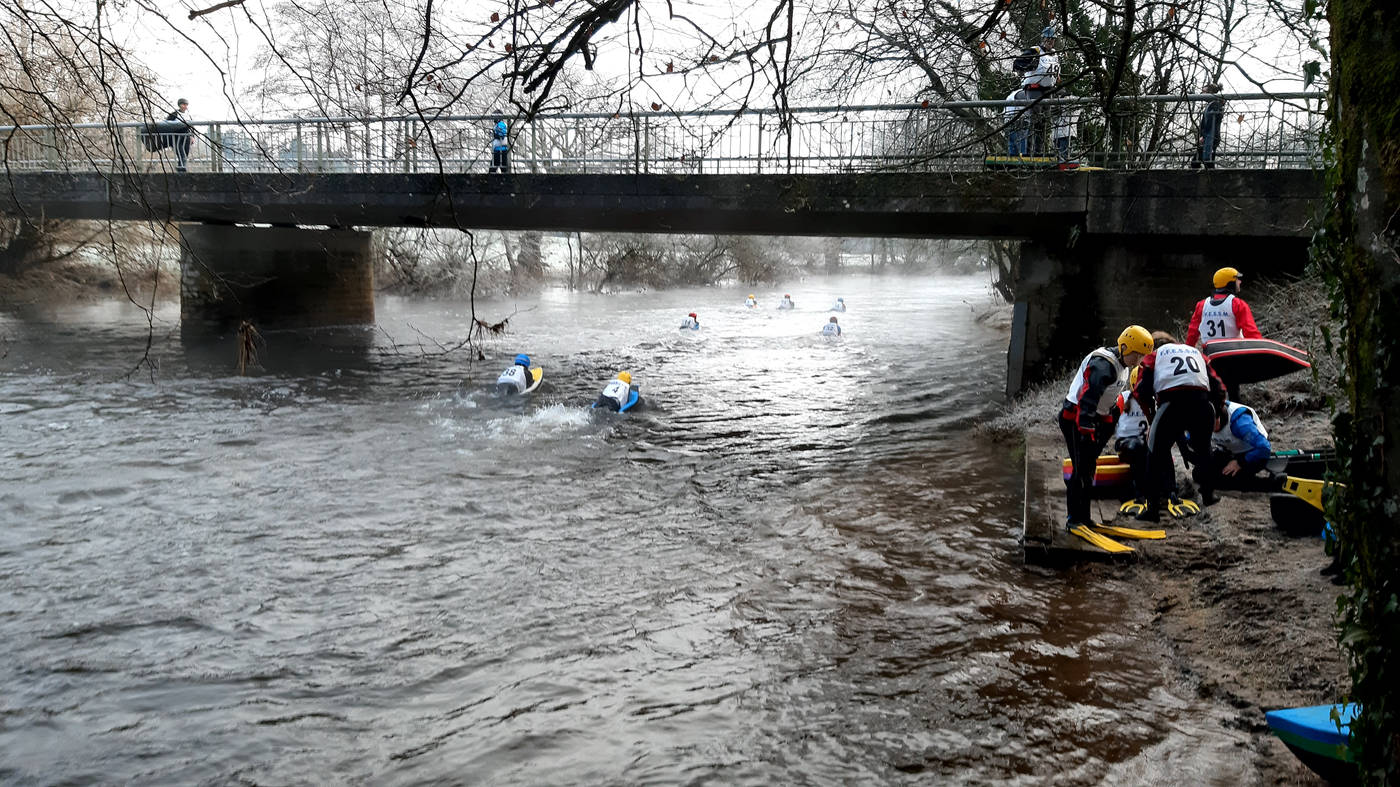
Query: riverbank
[[1239, 614], [78, 282]]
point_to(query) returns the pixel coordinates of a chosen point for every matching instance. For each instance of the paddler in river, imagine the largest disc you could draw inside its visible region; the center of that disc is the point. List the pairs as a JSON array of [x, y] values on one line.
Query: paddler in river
[[1180, 392], [617, 394], [517, 378], [1224, 315], [1087, 418]]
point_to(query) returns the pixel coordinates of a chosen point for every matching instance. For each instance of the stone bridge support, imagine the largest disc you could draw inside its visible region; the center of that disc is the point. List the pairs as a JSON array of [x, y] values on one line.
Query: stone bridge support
[[275, 277], [1074, 294]]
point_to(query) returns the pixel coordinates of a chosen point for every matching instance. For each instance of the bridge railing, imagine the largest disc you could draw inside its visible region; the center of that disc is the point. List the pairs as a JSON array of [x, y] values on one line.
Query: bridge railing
[[1146, 132]]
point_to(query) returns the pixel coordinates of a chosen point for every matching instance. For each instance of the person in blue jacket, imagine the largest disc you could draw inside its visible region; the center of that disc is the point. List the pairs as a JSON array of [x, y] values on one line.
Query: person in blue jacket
[[500, 146], [1239, 449]]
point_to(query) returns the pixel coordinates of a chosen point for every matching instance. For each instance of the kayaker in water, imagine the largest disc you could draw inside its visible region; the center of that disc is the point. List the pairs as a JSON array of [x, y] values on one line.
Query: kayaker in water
[[517, 378], [832, 327], [616, 394], [1086, 415], [751, 301], [690, 323], [1179, 391], [839, 306], [786, 302], [1223, 315], [1239, 449]]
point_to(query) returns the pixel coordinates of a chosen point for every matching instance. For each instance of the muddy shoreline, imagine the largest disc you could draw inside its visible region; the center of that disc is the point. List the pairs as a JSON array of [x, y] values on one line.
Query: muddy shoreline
[[1240, 615]]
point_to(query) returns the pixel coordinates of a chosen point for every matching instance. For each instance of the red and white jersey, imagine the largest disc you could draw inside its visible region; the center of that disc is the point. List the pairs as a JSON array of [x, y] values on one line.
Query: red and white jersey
[[1179, 366], [1080, 381], [1218, 320]]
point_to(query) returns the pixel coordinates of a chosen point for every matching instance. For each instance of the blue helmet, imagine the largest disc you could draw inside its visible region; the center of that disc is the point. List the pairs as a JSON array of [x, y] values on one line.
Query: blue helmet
[[522, 359], [1048, 32]]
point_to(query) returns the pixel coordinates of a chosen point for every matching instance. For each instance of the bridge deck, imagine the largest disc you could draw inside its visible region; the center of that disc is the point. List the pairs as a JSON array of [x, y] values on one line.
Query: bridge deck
[[1194, 204]]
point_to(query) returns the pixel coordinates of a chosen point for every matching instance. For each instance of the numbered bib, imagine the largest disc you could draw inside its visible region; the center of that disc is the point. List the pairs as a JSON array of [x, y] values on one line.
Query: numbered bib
[[1218, 320], [1179, 366]]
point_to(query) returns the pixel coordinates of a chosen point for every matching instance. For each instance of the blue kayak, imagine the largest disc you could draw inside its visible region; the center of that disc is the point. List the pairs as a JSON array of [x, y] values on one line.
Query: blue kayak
[[1313, 735]]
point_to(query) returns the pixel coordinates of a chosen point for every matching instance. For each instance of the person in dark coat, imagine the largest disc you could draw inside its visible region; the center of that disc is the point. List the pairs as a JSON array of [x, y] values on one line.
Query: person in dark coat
[[180, 140], [1209, 140]]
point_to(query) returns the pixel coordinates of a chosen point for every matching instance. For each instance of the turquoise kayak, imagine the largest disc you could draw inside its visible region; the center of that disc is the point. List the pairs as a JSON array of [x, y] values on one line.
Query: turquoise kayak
[[1316, 738]]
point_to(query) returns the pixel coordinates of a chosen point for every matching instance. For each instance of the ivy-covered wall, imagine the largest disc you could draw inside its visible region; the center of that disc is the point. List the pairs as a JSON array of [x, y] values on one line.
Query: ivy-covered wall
[[1358, 252]]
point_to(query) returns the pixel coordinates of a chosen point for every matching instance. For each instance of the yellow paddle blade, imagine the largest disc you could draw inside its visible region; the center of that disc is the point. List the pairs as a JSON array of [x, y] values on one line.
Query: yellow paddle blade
[[1308, 490], [1128, 532], [1102, 542]]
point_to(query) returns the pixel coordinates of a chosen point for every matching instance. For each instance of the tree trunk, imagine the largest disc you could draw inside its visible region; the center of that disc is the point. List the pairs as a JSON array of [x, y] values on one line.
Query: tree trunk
[[1358, 252]]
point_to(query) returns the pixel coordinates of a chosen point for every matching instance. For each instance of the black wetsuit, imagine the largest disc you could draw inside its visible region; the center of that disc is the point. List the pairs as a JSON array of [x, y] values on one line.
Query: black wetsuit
[[1183, 415], [1086, 432]]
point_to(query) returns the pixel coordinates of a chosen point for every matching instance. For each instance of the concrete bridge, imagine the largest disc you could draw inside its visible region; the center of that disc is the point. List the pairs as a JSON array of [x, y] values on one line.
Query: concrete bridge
[[1100, 248]]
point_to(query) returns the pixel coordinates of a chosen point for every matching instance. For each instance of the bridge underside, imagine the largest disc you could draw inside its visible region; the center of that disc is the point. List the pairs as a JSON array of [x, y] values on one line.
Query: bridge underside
[[1102, 248]]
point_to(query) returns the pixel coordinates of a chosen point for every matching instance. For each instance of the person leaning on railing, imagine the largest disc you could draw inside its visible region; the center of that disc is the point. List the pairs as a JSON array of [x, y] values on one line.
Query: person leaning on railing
[[1209, 139], [180, 139]]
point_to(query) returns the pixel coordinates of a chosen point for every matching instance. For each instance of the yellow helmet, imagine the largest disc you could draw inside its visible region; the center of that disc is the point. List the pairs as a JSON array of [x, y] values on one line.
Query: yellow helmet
[[1133, 376], [1224, 276], [750, 295], [1134, 339], [626, 377]]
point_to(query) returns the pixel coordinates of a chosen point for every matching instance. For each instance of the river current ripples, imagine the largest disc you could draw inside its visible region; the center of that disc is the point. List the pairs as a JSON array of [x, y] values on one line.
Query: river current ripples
[[797, 565]]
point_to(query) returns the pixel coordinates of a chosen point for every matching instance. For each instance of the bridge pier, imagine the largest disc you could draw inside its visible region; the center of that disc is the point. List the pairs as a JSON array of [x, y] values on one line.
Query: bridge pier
[[1072, 297], [275, 277]]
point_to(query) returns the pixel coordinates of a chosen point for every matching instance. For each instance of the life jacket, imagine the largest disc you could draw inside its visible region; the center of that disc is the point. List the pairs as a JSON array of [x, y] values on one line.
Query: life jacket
[[840, 306], [1046, 74], [1225, 438], [1132, 422], [1218, 319], [1179, 366], [515, 376], [831, 329], [750, 302], [689, 324], [1110, 391], [618, 391], [499, 138]]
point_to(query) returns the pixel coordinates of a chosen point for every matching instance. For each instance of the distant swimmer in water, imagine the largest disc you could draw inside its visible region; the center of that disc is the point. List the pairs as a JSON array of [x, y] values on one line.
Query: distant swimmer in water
[[690, 323], [839, 306], [787, 302], [832, 328], [619, 395], [516, 379], [751, 301]]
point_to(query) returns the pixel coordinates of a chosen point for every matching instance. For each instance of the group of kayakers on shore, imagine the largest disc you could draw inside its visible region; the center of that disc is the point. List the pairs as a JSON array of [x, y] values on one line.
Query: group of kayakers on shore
[[620, 394], [1150, 392]]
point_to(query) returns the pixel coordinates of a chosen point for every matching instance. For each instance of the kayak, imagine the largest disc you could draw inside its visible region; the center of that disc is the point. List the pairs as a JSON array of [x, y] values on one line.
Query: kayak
[[1313, 735], [1240, 361], [1109, 472], [634, 401]]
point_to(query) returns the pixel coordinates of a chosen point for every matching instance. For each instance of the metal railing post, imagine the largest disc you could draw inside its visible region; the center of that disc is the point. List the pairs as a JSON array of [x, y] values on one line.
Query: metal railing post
[[758, 152], [636, 146], [320, 148], [216, 148], [300, 167]]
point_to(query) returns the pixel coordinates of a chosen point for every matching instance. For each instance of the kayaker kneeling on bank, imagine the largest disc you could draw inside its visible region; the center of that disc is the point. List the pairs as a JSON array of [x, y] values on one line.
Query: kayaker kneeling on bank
[[1087, 415], [1239, 449]]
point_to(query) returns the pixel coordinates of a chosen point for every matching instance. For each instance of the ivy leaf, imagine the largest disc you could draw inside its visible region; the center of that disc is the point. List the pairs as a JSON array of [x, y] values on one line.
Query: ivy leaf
[[1311, 71]]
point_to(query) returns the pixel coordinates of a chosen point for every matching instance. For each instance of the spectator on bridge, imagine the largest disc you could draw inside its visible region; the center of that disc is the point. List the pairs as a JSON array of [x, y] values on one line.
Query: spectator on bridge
[[1209, 140], [1086, 414], [1062, 130], [180, 140], [1016, 120], [500, 146], [1039, 82]]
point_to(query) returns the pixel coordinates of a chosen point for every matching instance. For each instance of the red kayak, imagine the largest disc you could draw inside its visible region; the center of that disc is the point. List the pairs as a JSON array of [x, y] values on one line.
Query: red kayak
[[1240, 361]]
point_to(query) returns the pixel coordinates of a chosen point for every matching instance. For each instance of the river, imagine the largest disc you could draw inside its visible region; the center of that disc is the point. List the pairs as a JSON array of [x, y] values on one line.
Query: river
[[799, 564]]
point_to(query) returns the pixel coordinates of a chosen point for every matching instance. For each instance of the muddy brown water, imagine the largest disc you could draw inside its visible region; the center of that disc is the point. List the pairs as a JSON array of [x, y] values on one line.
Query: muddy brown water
[[798, 565]]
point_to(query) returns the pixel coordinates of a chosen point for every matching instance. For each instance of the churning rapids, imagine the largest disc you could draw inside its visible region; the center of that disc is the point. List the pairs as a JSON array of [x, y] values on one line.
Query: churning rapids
[[799, 564]]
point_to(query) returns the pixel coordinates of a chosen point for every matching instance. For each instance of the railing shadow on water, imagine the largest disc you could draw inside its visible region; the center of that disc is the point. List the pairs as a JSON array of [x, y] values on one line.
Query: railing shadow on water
[[1259, 131]]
